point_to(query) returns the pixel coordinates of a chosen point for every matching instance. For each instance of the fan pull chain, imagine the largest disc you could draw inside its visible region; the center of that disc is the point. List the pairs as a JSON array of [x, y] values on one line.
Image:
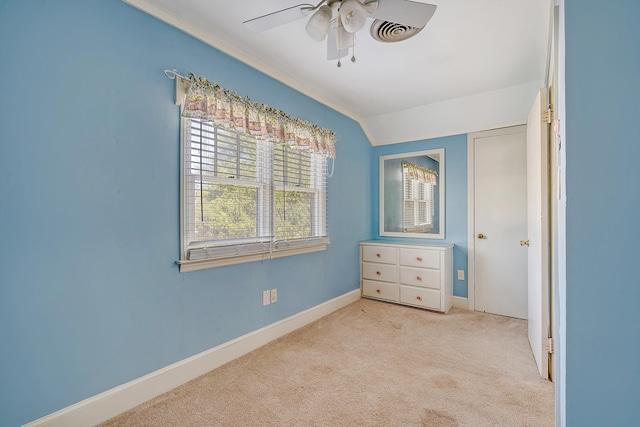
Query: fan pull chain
[[338, 47], [353, 49]]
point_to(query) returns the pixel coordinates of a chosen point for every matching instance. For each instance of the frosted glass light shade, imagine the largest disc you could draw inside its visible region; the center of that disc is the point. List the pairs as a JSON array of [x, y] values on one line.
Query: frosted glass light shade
[[371, 5], [352, 15], [318, 25]]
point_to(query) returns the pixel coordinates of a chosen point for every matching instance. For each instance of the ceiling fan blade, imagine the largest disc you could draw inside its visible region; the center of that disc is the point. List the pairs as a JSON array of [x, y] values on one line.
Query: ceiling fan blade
[[279, 17], [332, 46], [404, 12]]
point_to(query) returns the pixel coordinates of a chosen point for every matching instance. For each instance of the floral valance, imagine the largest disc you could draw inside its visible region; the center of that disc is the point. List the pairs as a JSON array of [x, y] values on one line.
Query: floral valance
[[420, 173], [207, 100]]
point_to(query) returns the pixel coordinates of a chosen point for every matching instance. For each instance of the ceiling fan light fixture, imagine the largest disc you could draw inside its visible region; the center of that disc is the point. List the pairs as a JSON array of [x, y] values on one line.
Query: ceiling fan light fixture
[[318, 25], [338, 21], [352, 15]]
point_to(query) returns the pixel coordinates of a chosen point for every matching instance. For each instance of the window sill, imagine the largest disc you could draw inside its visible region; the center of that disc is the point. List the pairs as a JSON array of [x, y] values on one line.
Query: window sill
[[202, 264], [421, 228]]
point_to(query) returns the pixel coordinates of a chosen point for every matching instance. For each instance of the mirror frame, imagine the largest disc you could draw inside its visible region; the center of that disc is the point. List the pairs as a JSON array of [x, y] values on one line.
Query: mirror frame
[[441, 203]]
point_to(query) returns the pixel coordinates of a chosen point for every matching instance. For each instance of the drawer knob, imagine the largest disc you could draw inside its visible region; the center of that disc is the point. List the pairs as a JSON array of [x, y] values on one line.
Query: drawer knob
[[418, 259], [419, 298], [419, 279], [378, 255], [378, 273], [378, 290]]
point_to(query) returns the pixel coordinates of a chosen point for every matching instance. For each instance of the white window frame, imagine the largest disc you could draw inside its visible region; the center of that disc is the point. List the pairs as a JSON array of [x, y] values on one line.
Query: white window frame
[[255, 249]]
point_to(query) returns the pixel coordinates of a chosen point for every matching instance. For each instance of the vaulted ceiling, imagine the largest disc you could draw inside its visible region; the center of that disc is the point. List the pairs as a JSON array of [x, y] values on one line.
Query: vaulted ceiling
[[476, 65]]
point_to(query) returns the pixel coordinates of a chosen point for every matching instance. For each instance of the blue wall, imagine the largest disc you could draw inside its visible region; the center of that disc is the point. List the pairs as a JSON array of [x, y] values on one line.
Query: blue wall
[[603, 201], [90, 296], [455, 155]]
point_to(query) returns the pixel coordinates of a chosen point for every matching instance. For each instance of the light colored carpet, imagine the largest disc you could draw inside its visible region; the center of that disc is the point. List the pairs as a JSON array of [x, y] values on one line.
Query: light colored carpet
[[370, 364]]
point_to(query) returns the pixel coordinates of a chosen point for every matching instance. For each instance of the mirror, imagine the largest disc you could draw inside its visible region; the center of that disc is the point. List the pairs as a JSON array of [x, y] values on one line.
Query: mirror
[[412, 194]]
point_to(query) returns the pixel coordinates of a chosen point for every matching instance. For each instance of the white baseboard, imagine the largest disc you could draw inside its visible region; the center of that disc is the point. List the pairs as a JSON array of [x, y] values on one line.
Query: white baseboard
[[461, 302], [110, 403]]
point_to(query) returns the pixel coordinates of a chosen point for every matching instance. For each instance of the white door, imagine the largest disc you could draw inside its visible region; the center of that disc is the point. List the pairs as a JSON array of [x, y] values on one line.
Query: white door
[[500, 221], [538, 232]]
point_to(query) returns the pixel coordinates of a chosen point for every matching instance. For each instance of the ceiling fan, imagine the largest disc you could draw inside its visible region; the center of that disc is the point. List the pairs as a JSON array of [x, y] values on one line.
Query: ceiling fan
[[338, 21]]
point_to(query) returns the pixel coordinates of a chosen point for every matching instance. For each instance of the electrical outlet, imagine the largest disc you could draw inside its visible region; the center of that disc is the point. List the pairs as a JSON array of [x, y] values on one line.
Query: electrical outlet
[[266, 297], [274, 295], [460, 274]]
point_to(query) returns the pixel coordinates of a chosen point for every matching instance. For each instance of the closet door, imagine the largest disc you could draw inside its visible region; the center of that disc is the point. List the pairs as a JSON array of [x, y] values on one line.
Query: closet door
[[500, 208], [538, 234]]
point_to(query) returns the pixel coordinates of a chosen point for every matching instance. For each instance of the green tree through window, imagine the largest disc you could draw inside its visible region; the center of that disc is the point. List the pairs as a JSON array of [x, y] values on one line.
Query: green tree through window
[[248, 194]]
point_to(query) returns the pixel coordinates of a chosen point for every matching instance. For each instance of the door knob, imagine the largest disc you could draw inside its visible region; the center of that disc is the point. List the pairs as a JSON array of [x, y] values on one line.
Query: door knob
[[524, 243], [480, 236]]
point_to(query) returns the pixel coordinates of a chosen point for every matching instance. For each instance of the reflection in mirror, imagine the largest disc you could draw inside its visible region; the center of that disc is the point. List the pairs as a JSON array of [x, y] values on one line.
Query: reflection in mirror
[[412, 194]]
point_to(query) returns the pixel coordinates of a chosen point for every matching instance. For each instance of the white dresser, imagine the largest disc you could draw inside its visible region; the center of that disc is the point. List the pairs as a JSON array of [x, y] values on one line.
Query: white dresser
[[415, 274]]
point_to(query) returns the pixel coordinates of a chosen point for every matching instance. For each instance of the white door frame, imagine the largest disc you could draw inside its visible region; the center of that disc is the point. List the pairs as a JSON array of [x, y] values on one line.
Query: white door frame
[[471, 215]]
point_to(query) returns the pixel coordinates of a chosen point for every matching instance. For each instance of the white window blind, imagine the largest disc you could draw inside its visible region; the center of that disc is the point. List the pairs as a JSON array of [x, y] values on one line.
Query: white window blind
[[243, 196], [418, 204]]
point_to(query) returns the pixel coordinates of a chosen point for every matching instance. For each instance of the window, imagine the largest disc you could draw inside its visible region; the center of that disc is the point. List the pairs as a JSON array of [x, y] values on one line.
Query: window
[[418, 200], [244, 199], [300, 196]]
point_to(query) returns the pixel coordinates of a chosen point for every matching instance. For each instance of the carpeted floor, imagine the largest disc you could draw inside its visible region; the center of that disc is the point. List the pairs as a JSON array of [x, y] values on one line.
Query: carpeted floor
[[370, 364]]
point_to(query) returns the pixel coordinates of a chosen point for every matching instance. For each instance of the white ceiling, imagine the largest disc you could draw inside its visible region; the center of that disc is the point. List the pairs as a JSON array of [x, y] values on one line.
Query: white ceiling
[[469, 49]]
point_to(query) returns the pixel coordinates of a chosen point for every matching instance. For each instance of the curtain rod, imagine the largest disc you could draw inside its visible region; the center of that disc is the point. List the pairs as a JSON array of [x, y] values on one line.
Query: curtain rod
[[172, 74]]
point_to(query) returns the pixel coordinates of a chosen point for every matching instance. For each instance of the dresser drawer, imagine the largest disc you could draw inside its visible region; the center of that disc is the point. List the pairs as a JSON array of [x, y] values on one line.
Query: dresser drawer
[[420, 277], [384, 272], [420, 258], [388, 291], [385, 255], [420, 297]]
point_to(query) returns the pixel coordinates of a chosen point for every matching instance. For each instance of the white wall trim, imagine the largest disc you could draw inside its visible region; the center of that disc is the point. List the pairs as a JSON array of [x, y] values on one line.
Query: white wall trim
[[461, 302], [110, 403], [471, 220]]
